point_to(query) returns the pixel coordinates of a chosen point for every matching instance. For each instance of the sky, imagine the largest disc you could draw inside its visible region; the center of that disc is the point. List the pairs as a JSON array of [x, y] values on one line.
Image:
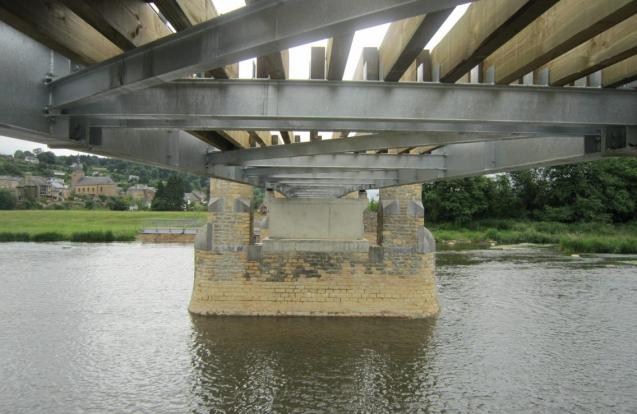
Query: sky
[[299, 64]]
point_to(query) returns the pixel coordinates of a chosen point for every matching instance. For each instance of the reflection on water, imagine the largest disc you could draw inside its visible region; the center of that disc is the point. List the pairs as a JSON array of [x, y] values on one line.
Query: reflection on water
[[104, 328], [293, 364]]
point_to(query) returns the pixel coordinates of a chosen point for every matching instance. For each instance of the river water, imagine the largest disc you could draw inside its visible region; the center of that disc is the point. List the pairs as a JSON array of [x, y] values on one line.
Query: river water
[[105, 328]]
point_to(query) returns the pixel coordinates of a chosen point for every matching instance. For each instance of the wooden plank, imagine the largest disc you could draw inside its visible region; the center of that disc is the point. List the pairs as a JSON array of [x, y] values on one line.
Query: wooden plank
[[183, 14], [614, 45], [215, 139], [55, 26], [565, 26], [338, 49], [317, 63], [620, 73], [487, 25], [126, 23], [405, 41], [412, 73]]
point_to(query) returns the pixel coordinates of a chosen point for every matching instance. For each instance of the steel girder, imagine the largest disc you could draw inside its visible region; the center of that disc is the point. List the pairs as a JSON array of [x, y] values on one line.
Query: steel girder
[[313, 176], [265, 27], [361, 106]]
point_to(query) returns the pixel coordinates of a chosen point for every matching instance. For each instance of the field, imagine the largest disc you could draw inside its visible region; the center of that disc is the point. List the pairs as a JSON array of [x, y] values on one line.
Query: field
[[81, 225]]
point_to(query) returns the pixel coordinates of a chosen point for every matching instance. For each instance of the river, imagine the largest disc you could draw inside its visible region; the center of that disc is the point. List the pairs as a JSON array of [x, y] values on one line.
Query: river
[[105, 328]]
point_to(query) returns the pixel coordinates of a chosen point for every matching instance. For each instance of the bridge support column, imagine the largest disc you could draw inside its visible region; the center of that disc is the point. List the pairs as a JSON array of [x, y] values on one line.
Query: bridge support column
[[315, 261]]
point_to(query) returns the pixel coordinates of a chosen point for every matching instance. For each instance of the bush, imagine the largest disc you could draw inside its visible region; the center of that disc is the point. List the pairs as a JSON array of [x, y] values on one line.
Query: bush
[[100, 237], [118, 204], [47, 237], [14, 237], [7, 200]]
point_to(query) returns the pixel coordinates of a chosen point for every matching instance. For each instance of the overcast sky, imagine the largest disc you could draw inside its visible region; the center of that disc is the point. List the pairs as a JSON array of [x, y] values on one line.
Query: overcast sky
[[299, 63]]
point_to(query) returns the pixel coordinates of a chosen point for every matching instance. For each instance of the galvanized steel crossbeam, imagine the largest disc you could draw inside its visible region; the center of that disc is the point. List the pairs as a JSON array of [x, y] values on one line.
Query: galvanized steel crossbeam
[[362, 106], [265, 27]]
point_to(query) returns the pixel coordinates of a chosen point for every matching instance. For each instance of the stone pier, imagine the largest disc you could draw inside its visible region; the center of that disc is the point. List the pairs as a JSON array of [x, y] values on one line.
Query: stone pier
[[315, 261]]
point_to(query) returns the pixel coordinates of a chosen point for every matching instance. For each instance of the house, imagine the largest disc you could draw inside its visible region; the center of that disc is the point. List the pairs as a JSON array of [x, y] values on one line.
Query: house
[[92, 186], [32, 159], [59, 190], [142, 193], [10, 183], [196, 197], [33, 187]]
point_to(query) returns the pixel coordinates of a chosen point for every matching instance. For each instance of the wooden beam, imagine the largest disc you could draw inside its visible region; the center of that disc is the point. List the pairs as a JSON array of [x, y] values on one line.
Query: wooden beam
[[338, 49], [620, 73], [55, 26], [126, 23], [614, 45], [405, 41], [487, 25], [317, 63], [215, 139], [565, 26], [183, 14]]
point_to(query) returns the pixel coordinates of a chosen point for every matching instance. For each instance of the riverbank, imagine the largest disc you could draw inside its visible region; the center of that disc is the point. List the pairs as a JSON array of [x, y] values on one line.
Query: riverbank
[[569, 238], [81, 225], [110, 226]]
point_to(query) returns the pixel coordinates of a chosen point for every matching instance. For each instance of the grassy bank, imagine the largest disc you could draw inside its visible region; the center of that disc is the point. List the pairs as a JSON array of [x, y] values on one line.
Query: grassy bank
[[80, 225], [571, 238]]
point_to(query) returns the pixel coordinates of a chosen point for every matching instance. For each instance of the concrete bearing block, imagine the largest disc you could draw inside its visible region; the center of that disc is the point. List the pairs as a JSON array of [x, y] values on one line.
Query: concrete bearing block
[[203, 240], [416, 209], [426, 241], [242, 205], [254, 253]]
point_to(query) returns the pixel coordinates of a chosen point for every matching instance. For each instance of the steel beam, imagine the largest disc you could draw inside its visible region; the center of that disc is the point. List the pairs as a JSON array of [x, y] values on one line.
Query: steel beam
[[357, 161], [266, 27], [355, 144], [337, 106]]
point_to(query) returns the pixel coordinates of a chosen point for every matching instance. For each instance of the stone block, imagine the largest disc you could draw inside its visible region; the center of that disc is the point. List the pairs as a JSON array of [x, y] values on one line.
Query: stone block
[[390, 207], [215, 205], [308, 245]]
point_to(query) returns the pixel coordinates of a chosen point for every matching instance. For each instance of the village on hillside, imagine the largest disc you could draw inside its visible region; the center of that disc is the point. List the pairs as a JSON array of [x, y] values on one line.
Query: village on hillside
[[42, 180]]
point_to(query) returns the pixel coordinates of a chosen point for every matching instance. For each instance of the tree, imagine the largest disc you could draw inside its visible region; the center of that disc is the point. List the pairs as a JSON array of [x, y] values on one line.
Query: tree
[[18, 155], [7, 200], [118, 204], [47, 157], [169, 197]]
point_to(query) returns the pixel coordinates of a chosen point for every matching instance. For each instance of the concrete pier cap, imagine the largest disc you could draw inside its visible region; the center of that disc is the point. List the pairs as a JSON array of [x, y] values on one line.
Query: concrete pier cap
[[316, 260]]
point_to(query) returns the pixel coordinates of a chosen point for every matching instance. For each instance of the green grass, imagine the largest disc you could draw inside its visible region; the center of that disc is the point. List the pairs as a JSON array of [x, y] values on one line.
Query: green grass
[[80, 225], [570, 238]]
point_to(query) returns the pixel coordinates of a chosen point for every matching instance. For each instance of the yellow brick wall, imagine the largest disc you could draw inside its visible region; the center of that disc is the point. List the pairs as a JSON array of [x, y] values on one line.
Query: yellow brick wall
[[166, 238], [309, 284]]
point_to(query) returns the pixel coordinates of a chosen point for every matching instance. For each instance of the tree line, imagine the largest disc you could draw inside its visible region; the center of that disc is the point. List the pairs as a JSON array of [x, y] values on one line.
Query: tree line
[[600, 191]]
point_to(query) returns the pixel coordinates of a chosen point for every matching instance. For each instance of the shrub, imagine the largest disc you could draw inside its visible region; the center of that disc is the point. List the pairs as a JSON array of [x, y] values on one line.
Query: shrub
[[7, 200], [47, 237], [14, 237]]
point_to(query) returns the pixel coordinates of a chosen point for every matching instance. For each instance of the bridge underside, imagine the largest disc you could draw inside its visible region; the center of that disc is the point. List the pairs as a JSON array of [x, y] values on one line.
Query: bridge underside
[[535, 83]]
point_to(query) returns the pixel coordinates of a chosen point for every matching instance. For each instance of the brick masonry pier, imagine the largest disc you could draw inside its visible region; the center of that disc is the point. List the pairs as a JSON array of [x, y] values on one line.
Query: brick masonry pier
[[315, 261]]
